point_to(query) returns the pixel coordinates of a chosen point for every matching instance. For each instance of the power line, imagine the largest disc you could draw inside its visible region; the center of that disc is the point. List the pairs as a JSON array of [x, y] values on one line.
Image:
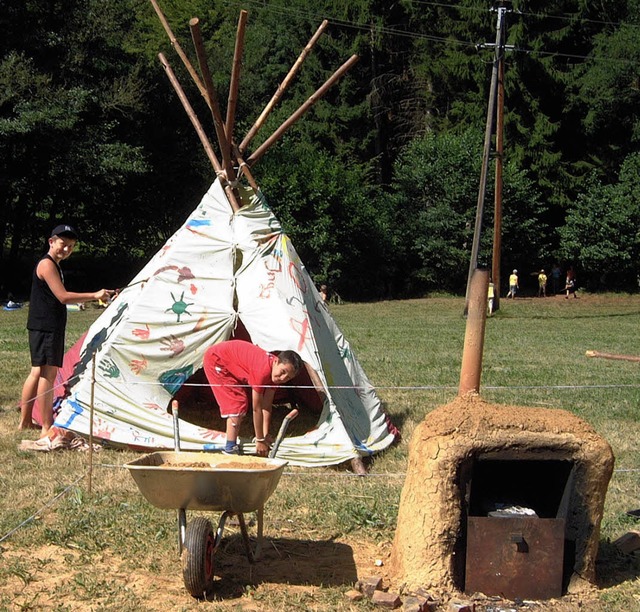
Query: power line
[[561, 17], [447, 40]]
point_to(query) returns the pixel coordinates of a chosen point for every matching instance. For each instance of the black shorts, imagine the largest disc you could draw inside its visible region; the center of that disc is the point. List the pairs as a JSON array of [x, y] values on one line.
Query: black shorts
[[47, 348]]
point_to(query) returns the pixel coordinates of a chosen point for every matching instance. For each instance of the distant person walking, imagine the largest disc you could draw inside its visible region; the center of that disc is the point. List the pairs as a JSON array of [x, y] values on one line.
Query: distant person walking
[[513, 284], [542, 284], [46, 322], [570, 284]]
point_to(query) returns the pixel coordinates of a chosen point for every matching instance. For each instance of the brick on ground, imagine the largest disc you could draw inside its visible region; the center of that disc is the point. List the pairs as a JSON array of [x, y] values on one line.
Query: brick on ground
[[629, 542], [353, 595], [368, 586], [386, 600], [416, 604]]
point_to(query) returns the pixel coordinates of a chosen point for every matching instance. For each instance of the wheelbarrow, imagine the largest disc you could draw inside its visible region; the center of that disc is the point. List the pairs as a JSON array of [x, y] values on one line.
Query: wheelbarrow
[[193, 480]]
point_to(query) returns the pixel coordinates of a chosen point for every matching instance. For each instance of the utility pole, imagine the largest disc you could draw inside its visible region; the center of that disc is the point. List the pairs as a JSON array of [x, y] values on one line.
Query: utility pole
[[491, 113], [497, 216]]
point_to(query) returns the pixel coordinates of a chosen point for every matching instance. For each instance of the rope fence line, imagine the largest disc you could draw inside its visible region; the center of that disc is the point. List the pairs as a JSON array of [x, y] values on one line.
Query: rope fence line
[[37, 513], [37, 397], [376, 388]]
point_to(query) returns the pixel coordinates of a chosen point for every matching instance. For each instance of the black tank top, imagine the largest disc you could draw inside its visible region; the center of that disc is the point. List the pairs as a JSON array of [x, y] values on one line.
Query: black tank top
[[46, 312]]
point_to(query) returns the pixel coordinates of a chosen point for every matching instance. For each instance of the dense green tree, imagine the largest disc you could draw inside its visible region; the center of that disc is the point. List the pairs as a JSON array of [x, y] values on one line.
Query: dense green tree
[[378, 181], [65, 113], [607, 98], [602, 233], [337, 223], [435, 194]]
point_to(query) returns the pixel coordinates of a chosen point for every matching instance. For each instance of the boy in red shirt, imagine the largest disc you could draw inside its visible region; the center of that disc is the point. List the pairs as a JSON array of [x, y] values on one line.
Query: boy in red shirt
[[242, 374]]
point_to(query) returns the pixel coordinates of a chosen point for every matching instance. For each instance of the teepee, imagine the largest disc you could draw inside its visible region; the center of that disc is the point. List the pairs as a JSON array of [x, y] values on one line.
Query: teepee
[[229, 267]]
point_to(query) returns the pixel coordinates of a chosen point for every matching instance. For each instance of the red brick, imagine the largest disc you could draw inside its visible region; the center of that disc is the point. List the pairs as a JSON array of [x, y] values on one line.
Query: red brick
[[353, 595], [368, 586], [629, 542], [386, 600]]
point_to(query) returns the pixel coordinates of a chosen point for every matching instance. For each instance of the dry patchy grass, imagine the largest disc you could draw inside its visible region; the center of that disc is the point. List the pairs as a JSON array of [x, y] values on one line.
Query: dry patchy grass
[[109, 549]]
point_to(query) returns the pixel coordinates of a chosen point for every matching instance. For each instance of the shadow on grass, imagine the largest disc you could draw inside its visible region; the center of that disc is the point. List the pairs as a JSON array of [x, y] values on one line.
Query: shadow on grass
[[614, 567], [283, 561]]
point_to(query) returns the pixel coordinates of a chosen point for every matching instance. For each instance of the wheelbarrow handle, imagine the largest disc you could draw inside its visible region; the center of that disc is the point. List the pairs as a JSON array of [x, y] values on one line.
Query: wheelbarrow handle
[[176, 425], [283, 428]]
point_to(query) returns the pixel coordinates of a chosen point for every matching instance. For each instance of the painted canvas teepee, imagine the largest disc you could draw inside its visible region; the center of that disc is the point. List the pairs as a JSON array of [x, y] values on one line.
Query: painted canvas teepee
[[229, 268], [219, 270]]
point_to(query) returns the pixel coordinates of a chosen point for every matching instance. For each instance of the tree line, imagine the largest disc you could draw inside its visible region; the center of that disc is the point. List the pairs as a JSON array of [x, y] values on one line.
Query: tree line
[[377, 185]]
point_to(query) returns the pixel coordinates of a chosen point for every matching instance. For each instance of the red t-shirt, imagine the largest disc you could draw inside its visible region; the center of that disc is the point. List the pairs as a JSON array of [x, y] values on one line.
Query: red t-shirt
[[246, 362]]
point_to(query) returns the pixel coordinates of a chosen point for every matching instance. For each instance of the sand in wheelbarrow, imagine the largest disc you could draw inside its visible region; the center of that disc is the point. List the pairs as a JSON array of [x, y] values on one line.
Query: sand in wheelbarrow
[[227, 465]]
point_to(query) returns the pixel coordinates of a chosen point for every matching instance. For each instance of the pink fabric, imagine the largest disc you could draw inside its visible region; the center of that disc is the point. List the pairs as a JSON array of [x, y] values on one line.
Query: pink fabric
[[61, 386]]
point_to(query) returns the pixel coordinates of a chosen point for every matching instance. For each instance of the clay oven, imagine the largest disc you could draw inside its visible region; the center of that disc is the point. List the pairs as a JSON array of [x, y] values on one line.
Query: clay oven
[[468, 457]]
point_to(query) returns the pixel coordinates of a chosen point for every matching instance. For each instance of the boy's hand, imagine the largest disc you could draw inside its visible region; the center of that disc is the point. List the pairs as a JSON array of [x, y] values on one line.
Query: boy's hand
[[103, 294], [262, 448]]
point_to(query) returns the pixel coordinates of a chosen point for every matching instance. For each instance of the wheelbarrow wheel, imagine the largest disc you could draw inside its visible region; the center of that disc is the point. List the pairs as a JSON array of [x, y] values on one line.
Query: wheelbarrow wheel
[[197, 557]]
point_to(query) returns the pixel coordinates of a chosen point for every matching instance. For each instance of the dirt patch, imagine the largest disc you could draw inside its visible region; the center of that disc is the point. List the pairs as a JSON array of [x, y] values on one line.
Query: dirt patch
[[290, 570]]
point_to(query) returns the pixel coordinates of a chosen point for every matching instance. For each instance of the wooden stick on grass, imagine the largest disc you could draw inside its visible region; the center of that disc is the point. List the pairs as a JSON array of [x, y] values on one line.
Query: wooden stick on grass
[[634, 358]]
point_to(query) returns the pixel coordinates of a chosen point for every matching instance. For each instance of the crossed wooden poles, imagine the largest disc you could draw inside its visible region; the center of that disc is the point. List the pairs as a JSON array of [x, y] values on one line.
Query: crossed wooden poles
[[233, 161]]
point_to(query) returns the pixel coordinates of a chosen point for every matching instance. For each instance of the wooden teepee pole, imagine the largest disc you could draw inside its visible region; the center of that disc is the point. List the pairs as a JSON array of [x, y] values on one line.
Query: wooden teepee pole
[[282, 88], [190, 112], [176, 45], [212, 99], [235, 74], [200, 131], [243, 168], [262, 149]]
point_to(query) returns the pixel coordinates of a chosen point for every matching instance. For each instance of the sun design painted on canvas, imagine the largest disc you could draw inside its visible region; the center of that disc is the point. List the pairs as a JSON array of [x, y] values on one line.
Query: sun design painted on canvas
[[179, 306]]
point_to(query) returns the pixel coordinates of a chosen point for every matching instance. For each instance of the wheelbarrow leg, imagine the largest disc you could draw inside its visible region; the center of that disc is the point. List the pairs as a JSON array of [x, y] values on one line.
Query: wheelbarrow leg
[[252, 555]]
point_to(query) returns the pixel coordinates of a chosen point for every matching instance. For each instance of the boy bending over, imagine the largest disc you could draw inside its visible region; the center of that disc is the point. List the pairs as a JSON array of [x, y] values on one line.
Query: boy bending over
[[242, 374]]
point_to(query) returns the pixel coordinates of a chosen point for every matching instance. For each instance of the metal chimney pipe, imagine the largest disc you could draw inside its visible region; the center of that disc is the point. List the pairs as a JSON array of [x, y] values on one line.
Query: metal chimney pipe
[[474, 334]]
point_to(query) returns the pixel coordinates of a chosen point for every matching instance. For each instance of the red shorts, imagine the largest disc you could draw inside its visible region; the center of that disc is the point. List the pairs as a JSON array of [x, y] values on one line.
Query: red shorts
[[233, 398]]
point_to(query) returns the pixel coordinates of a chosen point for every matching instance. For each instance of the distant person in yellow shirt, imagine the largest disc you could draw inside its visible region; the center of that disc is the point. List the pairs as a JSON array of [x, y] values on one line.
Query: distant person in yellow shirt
[[513, 284], [542, 284]]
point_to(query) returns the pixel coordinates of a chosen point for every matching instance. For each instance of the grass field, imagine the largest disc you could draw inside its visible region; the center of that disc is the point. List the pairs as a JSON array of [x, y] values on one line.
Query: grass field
[[65, 548]]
